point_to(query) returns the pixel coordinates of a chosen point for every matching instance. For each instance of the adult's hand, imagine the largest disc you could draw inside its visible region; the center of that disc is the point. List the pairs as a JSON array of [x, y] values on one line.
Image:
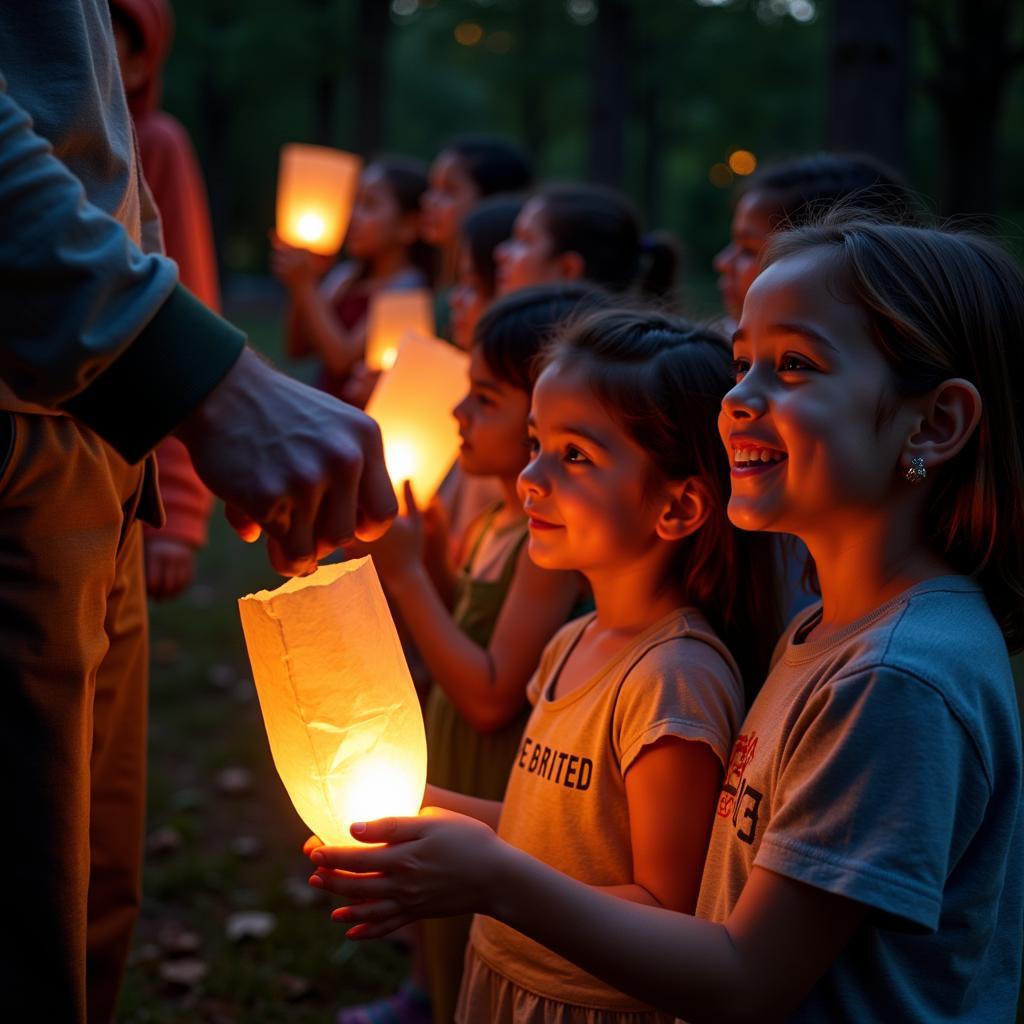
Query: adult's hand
[[290, 461]]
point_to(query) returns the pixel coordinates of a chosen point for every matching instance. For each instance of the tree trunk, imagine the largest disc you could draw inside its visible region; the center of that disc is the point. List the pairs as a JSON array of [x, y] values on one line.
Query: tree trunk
[[977, 61], [868, 78], [372, 32], [610, 109], [214, 133]]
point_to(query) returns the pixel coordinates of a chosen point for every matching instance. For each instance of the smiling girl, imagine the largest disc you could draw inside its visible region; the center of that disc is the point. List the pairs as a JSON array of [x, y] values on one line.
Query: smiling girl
[[617, 775], [866, 857]]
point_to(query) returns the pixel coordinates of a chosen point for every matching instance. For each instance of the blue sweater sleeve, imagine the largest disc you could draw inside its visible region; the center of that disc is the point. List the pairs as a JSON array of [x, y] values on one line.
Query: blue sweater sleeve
[[90, 322]]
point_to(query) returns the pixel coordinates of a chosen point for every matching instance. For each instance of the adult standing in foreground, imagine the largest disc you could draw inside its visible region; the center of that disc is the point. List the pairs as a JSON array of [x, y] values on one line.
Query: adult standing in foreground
[[103, 354]]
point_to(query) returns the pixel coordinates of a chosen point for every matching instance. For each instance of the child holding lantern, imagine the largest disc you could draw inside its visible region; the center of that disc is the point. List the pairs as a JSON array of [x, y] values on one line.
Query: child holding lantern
[[865, 863], [617, 776], [481, 653], [328, 318]]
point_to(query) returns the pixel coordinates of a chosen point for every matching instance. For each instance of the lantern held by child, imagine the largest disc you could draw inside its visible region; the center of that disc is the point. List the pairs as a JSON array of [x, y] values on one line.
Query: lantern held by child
[[316, 189], [339, 706], [413, 405], [392, 314]]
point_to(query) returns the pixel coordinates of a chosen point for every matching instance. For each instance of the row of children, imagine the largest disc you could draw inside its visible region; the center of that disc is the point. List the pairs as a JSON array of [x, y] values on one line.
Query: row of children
[[704, 816]]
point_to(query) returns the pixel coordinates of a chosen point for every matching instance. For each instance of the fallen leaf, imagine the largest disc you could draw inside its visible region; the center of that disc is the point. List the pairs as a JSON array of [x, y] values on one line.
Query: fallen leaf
[[234, 781], [184, 973], [250, 924]]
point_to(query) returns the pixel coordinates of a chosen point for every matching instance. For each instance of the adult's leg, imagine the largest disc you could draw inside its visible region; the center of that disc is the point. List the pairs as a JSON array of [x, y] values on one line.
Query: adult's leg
[[61, 524], [118, 782]]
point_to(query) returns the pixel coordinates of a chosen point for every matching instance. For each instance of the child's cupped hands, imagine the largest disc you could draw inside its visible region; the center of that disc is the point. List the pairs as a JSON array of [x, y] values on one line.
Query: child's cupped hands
[[438, 864], [400, 550]]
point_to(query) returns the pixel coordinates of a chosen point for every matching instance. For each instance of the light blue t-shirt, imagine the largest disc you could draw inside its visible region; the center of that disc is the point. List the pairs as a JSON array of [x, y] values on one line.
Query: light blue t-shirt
[[882, 762]]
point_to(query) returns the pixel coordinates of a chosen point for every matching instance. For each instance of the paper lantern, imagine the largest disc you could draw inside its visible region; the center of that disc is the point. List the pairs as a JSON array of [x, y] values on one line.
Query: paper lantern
[[391, 315], [413, 405], [339, 706], [316, 189]]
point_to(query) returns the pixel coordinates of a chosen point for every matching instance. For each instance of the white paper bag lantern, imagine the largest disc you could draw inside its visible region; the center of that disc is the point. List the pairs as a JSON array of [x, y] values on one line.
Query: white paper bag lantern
[[391, 316], [316, 190], [413, 405], [341, 713]]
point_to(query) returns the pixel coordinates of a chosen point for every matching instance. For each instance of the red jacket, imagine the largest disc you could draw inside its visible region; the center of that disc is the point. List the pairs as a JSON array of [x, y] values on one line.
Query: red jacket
[[172, 173]]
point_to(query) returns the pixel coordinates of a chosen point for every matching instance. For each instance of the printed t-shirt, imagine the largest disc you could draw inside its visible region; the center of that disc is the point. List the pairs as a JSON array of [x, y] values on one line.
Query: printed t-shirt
[[882, 762], [566, 798]]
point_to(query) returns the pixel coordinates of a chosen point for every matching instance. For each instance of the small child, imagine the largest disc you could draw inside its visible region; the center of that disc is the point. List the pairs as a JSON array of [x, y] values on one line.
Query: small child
[[866, 858], [481, 650], [584, 232], [794, 192], [467, 170], [328, 318], [617, 776]]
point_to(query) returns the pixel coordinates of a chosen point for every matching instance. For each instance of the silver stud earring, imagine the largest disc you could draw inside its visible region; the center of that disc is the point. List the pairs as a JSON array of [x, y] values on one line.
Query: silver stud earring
[[916, 472]]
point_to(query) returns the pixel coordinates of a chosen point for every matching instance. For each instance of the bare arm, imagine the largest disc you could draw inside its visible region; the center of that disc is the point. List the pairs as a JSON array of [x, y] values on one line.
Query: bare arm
[[671, 789], [757, 966], [487, 685], [487, 811], [314, 327]]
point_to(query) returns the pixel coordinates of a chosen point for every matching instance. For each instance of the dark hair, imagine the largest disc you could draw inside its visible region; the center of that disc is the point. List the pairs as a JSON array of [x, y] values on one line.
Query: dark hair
[[662, 379], [943, 305], [516, 328], [801, 189], [493, 164], [602, 226], [407, 180], [484, 228]]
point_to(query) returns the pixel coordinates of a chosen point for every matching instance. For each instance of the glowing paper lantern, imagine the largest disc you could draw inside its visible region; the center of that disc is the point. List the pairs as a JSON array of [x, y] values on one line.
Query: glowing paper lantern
[[341, 713], [413, 404], [316, 188], [391, 315]]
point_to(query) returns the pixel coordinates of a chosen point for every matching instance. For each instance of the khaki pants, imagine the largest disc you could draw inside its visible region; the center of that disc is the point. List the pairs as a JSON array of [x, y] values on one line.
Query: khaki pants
[[73, 664]]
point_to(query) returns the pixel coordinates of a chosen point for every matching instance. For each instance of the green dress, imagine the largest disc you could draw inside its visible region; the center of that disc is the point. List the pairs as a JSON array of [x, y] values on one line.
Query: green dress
[[461, 759]]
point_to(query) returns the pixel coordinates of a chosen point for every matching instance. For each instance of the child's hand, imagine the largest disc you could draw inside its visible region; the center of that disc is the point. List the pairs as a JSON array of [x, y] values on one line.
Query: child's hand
[[292, 266], [401, 549], [437, 865], [170, 566]]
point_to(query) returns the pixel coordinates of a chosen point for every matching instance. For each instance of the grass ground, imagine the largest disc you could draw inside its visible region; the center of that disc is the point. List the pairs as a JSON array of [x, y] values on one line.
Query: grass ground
[[223, 837]]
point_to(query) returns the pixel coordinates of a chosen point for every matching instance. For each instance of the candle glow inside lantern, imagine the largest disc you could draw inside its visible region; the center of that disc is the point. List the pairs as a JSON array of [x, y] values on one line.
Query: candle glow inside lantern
[[340, 709], [391, 315], [316, 189], [413, 405]]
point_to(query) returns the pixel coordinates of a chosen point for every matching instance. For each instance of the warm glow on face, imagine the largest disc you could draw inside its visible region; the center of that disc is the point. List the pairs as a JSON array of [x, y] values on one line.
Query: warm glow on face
[[310, 227]]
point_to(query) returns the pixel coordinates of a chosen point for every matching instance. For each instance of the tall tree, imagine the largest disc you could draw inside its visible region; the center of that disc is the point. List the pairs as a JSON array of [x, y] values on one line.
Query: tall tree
[[371, 74], [979, 47], [869, 78], [610, 104]]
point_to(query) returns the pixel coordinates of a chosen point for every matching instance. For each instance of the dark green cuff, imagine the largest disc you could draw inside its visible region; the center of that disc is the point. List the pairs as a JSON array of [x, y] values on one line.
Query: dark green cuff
[[179, 357]]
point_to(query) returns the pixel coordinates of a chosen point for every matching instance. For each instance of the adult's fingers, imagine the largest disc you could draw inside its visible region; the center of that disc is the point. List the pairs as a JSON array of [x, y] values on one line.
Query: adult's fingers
[[336, 516], [244, 525], [377, 502]]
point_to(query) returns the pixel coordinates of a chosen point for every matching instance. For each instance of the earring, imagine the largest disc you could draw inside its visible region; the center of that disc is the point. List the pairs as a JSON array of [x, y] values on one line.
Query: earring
[[916, 471]]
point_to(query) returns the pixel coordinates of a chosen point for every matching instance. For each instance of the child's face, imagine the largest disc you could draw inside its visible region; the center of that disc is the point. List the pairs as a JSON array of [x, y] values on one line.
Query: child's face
[[738, 263], [526, 259], [467, 300], [378, 223], [451, 194], [802, 426], [587, 488], [492, 423]]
